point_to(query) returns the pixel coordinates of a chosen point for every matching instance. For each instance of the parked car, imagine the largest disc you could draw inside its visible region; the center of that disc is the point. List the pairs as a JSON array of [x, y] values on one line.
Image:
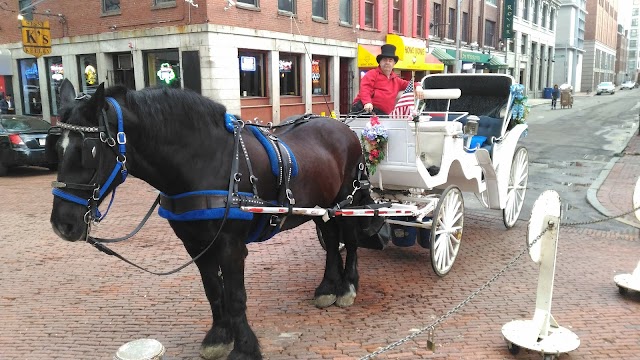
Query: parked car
[[606, 87], [628, 85], [23, 140]]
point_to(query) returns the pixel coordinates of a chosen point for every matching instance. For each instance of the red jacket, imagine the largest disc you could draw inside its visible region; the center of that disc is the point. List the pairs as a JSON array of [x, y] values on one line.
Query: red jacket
[[377, 89]]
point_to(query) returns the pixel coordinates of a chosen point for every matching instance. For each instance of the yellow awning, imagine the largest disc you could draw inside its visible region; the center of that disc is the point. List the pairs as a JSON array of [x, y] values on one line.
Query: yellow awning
[[367, 56], [412, 54]]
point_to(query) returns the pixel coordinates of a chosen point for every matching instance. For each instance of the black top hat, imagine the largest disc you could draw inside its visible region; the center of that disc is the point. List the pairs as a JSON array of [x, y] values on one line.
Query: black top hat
[[388, 51]]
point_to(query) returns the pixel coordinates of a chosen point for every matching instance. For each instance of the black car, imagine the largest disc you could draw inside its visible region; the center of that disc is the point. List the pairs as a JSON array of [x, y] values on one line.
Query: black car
[[22, 142]]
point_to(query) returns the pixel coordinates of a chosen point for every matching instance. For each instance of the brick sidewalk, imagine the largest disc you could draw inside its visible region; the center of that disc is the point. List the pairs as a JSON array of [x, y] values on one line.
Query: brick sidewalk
[[61, 300]]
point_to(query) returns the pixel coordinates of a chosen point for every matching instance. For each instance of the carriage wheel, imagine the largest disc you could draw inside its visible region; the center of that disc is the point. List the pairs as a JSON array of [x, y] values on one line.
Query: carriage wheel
[[517, 188], [446, 231], [323, 244]]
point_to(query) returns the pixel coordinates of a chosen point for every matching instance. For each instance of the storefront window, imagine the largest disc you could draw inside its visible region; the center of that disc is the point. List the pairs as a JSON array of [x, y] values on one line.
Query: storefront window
[[88, 70], [30, 82], [56, 75], [319, 75], [289, 74], [252, 73], [163, 68]]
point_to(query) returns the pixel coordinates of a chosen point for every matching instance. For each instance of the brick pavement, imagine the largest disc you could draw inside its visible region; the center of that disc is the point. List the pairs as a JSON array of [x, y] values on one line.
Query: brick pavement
[[63, 300]]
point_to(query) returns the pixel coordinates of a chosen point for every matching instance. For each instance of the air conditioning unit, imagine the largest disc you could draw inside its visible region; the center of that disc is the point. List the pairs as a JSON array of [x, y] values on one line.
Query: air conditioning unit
[[125, 62]]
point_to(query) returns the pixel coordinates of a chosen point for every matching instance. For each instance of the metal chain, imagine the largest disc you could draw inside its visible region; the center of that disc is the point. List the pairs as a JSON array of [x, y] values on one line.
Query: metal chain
[[461, 304], [600, 220]]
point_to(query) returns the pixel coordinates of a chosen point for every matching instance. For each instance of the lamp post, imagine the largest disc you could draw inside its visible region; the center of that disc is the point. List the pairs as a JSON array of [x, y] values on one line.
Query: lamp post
[[458, 64]]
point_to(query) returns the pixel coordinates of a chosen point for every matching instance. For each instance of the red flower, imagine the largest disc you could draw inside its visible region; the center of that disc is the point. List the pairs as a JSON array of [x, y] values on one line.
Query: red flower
[[374, 121], [374, 153], [370, 157]]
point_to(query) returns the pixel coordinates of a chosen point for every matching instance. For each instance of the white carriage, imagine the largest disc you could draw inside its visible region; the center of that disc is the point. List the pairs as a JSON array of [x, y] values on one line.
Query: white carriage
[[430, 160]]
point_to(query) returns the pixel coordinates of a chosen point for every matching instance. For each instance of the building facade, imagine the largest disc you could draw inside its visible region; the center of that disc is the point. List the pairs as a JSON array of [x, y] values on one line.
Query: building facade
[[622, 56], [633, 58], [600, 43], [570, 43]]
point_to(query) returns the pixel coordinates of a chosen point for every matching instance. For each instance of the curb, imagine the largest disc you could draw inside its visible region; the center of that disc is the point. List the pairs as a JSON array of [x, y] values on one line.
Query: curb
[[592, 192]]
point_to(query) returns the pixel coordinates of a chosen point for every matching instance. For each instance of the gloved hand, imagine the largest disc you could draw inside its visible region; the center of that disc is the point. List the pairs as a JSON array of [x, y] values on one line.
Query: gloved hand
[[368, 107]]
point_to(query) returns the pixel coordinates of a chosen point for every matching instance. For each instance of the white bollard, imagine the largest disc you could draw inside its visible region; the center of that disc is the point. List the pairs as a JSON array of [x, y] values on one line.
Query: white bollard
[[631, 281], [542, 333], [141, 349]]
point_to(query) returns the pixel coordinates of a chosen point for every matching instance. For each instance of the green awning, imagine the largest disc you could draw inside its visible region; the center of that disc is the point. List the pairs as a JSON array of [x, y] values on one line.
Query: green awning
[[497, 63], [442, 55]]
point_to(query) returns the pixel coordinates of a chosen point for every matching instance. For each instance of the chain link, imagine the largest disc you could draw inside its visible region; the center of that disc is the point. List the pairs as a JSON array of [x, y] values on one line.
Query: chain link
[[455, 309], [600, 220]]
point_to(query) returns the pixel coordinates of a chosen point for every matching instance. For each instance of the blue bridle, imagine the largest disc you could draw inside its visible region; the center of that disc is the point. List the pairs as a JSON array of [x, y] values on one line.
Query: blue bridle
[[98, 192]]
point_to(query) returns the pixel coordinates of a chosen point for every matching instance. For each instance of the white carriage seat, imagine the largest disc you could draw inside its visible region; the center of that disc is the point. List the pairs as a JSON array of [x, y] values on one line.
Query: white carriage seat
[[431, 139]]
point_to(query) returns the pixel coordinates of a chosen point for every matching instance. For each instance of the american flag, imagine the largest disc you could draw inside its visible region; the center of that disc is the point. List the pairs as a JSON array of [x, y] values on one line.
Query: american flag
[[405, 105]]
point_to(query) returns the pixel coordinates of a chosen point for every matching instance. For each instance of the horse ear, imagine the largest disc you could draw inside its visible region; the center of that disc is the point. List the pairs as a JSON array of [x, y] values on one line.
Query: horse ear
[[67, 92], [98, 98]]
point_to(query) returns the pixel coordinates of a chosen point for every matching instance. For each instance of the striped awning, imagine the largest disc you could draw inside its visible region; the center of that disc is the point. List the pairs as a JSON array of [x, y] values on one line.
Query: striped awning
[[497, 63], [442, 55]]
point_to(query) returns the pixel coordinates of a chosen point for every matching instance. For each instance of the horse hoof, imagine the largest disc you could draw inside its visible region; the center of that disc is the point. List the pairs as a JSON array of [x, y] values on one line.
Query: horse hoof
[[214, 352], [324, 301], [348, 298]]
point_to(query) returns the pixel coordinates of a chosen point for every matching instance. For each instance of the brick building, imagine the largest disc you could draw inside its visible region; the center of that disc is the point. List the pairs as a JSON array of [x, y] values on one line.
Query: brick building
[[600, 43], [622, 55]]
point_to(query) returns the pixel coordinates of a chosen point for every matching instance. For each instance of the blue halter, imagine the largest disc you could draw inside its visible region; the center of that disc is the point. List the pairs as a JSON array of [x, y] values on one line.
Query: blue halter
[[93, 214]]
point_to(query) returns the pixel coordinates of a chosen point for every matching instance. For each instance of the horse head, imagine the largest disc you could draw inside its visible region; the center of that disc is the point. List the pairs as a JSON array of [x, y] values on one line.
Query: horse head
[[91, 161]]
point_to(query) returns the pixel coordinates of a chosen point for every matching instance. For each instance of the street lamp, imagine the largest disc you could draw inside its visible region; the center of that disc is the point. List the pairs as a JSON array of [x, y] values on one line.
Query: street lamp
[[458, 64]]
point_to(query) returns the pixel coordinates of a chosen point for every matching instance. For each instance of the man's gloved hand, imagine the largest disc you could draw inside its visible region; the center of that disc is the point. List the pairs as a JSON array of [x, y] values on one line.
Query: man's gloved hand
[[368, 107]]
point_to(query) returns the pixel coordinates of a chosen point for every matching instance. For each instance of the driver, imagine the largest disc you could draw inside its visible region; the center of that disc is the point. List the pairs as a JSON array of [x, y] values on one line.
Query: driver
[[379, 87]]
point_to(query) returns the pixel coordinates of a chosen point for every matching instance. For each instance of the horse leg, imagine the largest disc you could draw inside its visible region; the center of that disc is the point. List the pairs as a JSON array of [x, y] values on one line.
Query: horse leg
[[231, 256], [217, 343], [325, 294], [350, 277]]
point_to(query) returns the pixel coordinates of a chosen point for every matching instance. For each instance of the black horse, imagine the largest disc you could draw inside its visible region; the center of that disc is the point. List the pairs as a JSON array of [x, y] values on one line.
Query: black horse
[[181, 143]]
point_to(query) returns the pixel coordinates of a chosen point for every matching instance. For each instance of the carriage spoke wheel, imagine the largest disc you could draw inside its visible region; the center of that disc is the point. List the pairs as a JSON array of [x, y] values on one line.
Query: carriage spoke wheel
[[446, 231], [517, 188]]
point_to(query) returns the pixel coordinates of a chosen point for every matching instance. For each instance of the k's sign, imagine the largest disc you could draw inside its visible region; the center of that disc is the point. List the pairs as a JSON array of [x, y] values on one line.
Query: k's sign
[[507, 17], [36, 38]]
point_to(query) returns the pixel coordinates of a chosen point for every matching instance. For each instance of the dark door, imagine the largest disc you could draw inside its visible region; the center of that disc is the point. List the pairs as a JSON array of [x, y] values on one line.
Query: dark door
[[346, 85], [191, 71]]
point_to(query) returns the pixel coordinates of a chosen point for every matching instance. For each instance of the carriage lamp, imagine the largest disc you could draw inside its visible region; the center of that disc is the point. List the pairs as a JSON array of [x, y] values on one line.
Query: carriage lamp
[[470, 129]]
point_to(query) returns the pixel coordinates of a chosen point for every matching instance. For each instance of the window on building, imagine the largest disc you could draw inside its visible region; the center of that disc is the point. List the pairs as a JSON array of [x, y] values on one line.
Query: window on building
[[88, 72], [253, 73], [634, 33], [164, 3], [250, 3], [633, 43], [420, 16], [397, 16], [320, 75], [30, 84], [465, 27], [436, 16], [634, 22], [491, 2], [543, 23], [162, 68], [345, 11], [110, 6], [632, 54], [56, 75], [525, 10], [289, 69], [319, 9], [552, 22], [287, 6], [635, 12], [451, 33], [523, 44], [370, 14], [489, 33], [28, 13], [536, 11]]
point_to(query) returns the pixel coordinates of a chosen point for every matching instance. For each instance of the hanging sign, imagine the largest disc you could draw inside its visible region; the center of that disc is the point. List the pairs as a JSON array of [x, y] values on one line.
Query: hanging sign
[[507, 19], [36, 37]]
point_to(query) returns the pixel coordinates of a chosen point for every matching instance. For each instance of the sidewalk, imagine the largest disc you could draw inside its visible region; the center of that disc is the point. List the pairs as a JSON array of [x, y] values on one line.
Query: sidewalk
[[541, 101]]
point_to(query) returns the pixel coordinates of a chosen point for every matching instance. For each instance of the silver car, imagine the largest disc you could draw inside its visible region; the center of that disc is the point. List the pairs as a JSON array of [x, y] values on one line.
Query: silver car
[[606, 87]]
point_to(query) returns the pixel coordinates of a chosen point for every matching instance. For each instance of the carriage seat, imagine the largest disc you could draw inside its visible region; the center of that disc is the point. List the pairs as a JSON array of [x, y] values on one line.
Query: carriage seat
[[488, 127], [431, 139]]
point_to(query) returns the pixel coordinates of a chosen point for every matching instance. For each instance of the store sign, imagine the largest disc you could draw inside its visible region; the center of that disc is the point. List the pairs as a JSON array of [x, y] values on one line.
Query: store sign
[[247, 63], [90, 75], [57, 72], [285, 66], [166, 73], [36, 38], [315, 71], [507, 19]]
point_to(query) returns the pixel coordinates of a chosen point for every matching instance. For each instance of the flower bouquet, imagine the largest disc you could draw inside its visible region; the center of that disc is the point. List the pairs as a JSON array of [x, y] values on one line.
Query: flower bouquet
[[374, 139], [520, 108]]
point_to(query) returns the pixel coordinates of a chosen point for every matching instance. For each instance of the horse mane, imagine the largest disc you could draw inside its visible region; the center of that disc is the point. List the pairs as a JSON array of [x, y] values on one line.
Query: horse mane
[[171, 111]]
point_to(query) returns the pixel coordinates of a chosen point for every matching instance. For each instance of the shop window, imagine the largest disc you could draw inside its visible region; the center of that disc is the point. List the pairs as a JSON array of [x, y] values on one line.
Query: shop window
[[88, 72], [287, 6], [162, 68], [56, 75], [289, 74], [30, 83], [252, 73], [319, 9], [345, 11], [320, 75], [111, 6]]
